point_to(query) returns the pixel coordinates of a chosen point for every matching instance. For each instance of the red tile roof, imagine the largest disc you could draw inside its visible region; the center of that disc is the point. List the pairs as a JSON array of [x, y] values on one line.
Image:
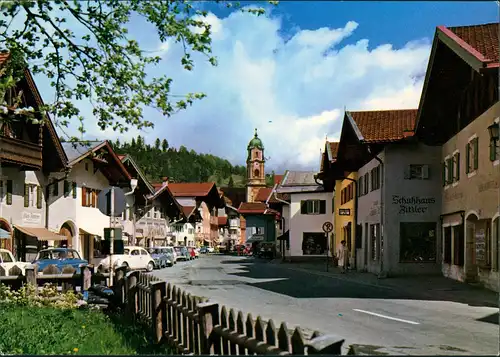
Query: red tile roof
[[191, 189], [263, 194], [385, 125], [277, 179], [482, 38], [222, 221], [4, 56], [252, 208], [121, 157], [157, 186]]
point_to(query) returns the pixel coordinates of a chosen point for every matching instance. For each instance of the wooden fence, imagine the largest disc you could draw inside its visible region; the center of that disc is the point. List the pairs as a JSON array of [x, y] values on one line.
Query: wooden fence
[[68, 279], [193, 325]]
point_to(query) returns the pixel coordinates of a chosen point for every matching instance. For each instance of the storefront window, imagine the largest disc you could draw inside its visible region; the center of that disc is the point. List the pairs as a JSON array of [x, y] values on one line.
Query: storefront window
[[458, 245], [313, 244], [417, 242], [447, 245]]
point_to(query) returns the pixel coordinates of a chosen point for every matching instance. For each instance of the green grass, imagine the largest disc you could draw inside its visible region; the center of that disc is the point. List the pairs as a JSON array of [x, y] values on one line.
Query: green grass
[[46, 330]]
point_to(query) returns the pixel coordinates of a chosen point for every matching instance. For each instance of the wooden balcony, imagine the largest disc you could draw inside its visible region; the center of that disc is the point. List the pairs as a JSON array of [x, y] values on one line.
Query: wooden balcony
[[19, 152]]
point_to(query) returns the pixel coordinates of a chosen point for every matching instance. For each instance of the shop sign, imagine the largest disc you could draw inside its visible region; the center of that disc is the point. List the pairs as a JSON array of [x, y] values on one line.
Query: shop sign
[[344, 211], [412, 204], [32, 217]]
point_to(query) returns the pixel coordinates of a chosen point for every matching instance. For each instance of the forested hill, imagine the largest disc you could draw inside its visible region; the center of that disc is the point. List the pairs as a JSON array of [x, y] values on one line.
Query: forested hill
[[180, 165]]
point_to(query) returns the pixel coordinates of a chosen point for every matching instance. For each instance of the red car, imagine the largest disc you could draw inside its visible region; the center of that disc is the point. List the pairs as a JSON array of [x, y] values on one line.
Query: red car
[[191, 252]]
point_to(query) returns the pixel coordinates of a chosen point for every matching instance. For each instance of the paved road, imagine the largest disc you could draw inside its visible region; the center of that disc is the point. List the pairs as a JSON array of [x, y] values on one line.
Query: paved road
[[381, 320]]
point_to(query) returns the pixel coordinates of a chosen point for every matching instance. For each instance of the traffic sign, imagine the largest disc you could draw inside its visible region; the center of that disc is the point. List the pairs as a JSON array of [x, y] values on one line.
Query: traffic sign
[[327, 227], [104, 201]]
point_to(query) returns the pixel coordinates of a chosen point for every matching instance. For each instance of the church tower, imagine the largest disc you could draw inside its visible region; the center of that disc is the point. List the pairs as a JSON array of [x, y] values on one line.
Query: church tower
[[256, 177]]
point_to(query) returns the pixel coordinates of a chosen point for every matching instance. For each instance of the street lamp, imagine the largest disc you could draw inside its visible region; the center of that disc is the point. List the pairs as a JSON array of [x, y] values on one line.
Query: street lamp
[[494, 130]]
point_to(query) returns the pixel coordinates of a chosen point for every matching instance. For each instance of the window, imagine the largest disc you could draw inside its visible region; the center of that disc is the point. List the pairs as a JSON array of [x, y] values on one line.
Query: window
[[374, 235], [190, 230], [256, 173], [259, 230], [360, 187], [313, 244], [417, 172], [55, 188], [472, 155], [32, 196], [494, 146], [366, 185], [417, 242], [313, 207], [456, 167], [73, 188], [375, 178], [458, 245], [89, 197], [447, 237]]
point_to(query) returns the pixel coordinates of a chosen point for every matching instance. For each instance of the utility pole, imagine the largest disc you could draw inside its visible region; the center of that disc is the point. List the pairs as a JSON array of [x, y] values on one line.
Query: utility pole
[[111, 234]]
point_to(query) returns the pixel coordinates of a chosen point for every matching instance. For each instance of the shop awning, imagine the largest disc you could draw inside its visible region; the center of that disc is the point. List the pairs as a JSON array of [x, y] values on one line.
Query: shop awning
[[40, 233], [284, 236], [83, 231], [255, 238], [4, 234]]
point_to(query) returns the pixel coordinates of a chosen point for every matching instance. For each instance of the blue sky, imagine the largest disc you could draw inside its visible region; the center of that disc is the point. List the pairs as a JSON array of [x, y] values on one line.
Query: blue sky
[[291, 72]]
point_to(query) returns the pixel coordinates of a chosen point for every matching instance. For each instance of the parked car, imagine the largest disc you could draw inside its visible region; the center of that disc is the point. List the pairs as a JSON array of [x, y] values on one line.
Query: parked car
[[133, 257], [182, 253], [7, 262], [211, 249], [60, 258], [196, 252], [171, 253], [161, 259], [192, 254], [203, 250]]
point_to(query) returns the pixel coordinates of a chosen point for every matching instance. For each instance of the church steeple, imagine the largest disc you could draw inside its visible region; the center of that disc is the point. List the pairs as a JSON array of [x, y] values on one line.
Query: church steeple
[[256, 177]]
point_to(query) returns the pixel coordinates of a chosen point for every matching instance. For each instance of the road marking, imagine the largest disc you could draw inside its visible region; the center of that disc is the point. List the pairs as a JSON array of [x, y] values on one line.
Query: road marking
[[387, 317]]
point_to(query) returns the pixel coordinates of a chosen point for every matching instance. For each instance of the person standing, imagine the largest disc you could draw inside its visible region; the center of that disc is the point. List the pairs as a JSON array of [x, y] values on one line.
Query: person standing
[[343, 256]]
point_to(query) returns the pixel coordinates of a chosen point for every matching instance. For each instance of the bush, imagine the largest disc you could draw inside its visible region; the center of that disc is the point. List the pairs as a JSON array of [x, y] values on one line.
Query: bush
[[47, 296]]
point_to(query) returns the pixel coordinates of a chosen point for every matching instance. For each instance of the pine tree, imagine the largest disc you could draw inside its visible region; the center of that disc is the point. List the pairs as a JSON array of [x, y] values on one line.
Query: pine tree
[[164, 145], [231, 182], [157, 144]]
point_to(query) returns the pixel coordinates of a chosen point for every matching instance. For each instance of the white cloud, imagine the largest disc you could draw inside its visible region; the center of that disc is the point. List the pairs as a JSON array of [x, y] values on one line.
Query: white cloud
[[293, 90]]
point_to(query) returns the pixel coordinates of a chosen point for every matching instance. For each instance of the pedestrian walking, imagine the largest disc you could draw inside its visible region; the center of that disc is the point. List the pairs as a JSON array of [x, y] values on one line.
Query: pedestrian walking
[[343, 256]]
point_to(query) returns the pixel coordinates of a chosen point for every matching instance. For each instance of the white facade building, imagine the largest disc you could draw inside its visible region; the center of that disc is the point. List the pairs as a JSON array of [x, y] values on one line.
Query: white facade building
[[309, 207]]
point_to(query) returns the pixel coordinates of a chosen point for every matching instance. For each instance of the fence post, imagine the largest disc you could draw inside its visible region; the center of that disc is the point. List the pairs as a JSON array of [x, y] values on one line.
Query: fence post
[[325, 345], [30, 273], [208, 313], [119, 282], [132, 292], [86, 278], [158, 292]]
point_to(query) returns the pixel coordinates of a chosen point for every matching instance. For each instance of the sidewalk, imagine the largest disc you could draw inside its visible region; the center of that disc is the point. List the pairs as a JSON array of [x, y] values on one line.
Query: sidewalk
[[425, 287]]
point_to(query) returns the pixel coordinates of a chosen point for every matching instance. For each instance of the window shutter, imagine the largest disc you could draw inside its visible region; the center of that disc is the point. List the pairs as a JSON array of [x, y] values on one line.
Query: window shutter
[[55, 190], [493, 150], [476, 153], [303, 207], [26, 195], [467, 158], [425, 172], [94, 198], [322, 207], [38, 197], [73, 184], [457, 166], [9, 192], [84, 196], [450, 170], [66, 188], [444, 173], [407, 172]]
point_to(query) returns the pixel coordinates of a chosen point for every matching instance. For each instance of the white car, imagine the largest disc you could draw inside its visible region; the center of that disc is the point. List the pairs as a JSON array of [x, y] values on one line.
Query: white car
[[7, 262], [133, 257], [210, 249], [173, 252]]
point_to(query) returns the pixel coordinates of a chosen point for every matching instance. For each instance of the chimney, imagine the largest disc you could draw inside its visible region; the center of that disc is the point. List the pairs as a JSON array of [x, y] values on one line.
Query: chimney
[[165, 181]]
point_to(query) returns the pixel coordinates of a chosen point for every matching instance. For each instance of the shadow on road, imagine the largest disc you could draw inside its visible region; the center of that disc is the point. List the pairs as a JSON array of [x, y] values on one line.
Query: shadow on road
[[304, 284], [492, 319]]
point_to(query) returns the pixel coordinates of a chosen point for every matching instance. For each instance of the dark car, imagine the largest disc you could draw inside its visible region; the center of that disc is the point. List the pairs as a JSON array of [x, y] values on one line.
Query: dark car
[[161, 257], [59, 257], [203, 250], [182, 253]]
